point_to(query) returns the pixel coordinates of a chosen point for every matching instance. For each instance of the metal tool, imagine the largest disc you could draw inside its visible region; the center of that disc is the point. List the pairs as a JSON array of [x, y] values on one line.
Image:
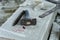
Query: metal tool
[[57, 2], [25, 20], [19, 17], [28, 22], [47, 13]]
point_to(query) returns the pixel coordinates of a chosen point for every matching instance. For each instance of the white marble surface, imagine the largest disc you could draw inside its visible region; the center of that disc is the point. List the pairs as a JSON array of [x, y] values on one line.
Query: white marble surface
[[39, 32], [1, 38]]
